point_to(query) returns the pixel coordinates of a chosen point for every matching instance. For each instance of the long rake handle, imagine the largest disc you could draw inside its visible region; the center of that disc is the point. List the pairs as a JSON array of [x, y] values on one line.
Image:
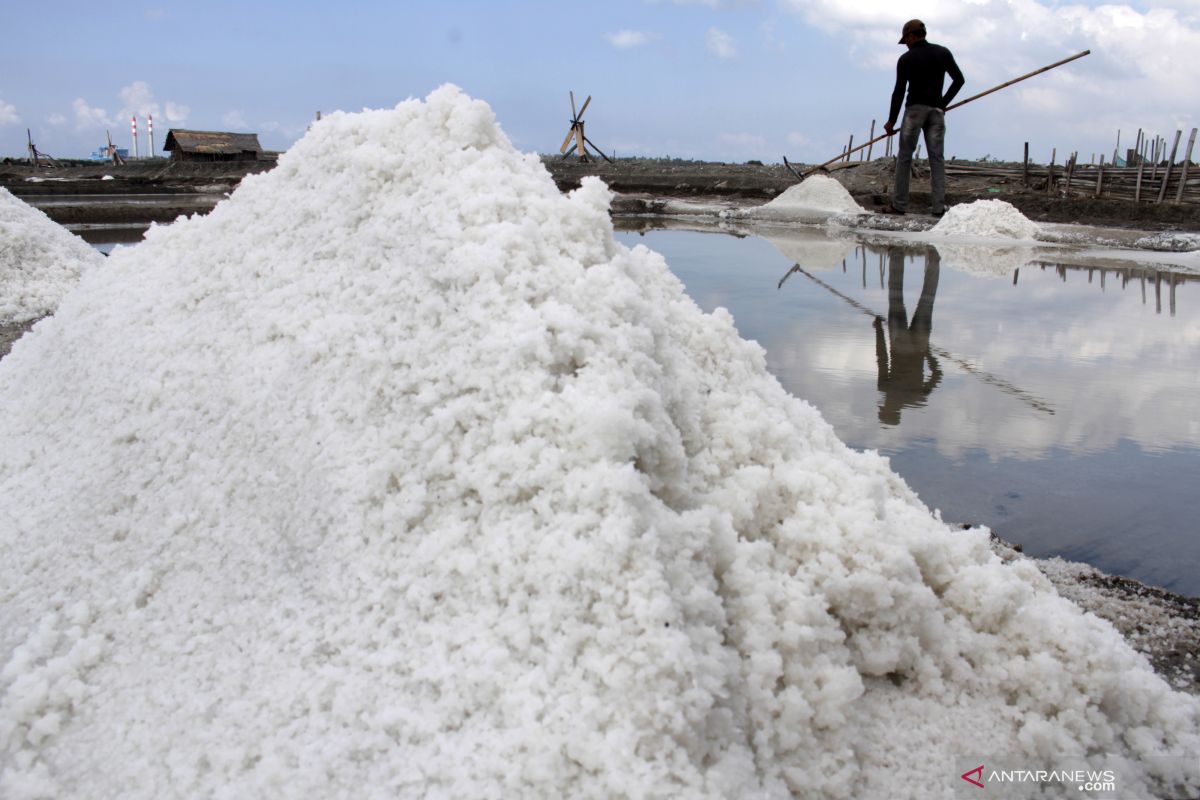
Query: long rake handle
[[883, 136]]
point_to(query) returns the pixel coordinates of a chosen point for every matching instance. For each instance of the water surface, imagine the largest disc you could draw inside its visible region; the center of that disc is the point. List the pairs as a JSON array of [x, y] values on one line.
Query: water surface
[[1059, 405]]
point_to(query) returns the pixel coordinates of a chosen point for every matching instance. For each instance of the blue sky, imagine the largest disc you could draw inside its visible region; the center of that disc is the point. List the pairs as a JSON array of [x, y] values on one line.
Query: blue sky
[[726, 80]]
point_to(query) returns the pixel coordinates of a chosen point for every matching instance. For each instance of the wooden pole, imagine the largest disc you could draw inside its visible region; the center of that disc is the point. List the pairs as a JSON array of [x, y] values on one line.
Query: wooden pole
[[850, 147], [1050, 171], [1025, 167], [1117, 149], [1187, 161], [1137, 192], [872, 137], [1070, 172], [1162, 190], [844, 156], [1100, 176]]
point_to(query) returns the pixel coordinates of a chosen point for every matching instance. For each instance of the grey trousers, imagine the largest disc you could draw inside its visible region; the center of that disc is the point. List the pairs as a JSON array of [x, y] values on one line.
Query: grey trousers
[[933, 122]]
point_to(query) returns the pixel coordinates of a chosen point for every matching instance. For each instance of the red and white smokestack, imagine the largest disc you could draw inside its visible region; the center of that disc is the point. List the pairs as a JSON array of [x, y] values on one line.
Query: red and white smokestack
[[150, 132], [133, 130]]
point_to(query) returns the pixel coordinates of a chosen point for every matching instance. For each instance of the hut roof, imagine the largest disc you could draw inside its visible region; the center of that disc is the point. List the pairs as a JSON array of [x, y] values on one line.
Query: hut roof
[[212, 142]]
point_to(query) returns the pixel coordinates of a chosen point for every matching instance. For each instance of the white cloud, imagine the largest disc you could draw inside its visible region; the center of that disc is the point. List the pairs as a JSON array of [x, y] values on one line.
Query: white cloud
[[137, 99], [625, 40], [176, 112], [797, 139], [234, 120], [88, 117], [8, 114], [1142, 71], [720, 44], [56, 119]]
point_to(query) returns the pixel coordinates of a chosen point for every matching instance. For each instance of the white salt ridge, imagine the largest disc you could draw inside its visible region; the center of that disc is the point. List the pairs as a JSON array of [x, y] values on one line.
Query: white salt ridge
[[40, 261], [819, 193], [985, 218], [396, 477]]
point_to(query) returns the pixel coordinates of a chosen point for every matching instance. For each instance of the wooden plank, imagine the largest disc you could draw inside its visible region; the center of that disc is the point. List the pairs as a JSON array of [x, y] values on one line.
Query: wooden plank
[[1162, 189], [1187, 161]]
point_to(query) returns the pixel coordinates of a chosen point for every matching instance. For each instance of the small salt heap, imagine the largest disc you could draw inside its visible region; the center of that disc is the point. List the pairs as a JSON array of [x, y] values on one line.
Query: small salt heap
[[986, 219], [40, 261], [819, 196]]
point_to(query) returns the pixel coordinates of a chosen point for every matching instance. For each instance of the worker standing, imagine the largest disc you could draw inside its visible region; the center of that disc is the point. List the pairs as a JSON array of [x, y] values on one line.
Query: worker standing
[[923, 70]]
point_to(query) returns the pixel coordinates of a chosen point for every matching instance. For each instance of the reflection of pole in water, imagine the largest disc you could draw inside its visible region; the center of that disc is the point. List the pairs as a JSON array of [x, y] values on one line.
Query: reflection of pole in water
[[1172, 280], [1033, 401]]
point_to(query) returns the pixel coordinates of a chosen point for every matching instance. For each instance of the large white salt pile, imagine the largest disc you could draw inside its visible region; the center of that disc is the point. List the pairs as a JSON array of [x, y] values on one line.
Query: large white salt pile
[[986, 218], [820, 193], [40, 261], [396, 477]]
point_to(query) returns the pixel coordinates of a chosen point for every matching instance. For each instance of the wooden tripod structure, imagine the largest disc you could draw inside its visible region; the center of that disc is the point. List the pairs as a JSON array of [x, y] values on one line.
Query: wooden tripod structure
[[112, 150], [37, 158], [576, 133]]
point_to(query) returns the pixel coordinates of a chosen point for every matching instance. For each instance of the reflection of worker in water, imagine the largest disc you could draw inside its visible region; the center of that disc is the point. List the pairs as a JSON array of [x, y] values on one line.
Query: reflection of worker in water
[[902, 376]]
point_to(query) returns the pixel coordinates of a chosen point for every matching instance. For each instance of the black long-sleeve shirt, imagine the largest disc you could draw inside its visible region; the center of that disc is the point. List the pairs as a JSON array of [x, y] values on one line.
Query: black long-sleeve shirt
[[923, 69]]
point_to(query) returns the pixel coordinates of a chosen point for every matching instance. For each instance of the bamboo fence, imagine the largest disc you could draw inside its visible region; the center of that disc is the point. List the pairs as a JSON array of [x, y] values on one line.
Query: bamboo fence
[[1154, 178]]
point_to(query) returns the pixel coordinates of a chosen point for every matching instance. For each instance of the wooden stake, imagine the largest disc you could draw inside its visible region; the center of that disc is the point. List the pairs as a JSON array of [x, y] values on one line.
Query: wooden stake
[[849, 146], [1162, 190], [871, 144], [1025, 168], [1050, 171], [1137, 192], [1187, 161], [1100, 176]]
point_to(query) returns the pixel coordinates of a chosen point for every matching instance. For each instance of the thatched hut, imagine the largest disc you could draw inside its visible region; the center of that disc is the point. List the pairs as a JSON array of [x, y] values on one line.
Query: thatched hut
[[212, 146]]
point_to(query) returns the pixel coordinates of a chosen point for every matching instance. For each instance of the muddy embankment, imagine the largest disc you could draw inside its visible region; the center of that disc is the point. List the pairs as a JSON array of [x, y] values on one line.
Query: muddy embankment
[[135, 193], [107, 194]]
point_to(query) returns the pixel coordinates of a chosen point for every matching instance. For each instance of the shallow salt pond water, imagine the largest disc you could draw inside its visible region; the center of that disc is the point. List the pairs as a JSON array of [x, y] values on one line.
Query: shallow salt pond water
[[1057, 404]]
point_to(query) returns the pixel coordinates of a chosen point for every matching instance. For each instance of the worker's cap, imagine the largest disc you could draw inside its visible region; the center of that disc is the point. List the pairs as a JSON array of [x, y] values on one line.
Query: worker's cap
[[912, 26]]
